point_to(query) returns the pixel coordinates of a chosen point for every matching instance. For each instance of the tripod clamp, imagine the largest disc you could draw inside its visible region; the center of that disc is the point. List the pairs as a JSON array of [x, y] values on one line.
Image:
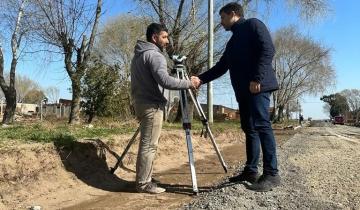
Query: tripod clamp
[[204, 131]]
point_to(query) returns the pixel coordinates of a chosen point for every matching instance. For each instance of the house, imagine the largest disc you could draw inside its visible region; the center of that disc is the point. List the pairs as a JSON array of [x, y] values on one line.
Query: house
[[223, 113], [58, 110]]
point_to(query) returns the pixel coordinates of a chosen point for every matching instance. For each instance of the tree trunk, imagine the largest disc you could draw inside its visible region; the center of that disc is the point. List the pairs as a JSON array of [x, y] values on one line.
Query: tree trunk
[[287, 112], [273, 113], [91, 117], [9, 90], [75, 105], [10, 108], [280, 113]]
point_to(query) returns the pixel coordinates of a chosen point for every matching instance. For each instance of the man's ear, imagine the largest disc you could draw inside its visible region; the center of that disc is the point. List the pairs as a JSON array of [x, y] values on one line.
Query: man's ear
[[233, 14], [154, 37]]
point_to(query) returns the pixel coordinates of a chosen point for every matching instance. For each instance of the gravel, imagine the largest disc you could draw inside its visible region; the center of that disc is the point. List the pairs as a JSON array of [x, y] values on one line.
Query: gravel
[[319, 167]]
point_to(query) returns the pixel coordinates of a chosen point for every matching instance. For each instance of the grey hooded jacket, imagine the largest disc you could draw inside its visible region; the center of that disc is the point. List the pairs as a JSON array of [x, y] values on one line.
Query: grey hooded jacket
[[149, 75]]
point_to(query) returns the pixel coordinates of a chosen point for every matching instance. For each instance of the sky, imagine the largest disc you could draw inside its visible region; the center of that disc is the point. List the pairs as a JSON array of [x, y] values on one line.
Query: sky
[[339, 30]]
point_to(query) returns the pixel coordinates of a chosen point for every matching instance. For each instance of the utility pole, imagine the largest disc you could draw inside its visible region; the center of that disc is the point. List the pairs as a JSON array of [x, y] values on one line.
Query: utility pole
[[210, 60], [298, 108], [41, 110]]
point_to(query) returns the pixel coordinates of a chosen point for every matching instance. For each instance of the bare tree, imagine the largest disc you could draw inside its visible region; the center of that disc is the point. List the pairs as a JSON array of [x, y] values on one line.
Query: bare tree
[[52, 93], [23, 85], [187, 24], [302, 66], [118, 38], [34, 96], [63, 24], [116, 49], [187, 31], [353, 98], [17, 34]]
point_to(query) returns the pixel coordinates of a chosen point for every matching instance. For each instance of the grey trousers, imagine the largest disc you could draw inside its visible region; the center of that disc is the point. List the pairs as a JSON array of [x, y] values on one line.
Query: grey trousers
[[151, 118]]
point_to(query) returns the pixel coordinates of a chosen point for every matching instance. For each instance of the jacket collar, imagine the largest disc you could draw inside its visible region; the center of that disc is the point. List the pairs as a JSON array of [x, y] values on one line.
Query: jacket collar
[[236, 24]]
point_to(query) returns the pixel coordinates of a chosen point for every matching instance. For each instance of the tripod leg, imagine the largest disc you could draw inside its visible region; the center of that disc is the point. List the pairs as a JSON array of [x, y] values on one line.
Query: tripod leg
[[187, 128], [191, 161], [216, 148], [120, 159], [206, 124], [208, 130]]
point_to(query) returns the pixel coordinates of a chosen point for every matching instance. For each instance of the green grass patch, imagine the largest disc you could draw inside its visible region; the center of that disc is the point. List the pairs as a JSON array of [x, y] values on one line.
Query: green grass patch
[[47, 132], [215, 127], [64, 134]]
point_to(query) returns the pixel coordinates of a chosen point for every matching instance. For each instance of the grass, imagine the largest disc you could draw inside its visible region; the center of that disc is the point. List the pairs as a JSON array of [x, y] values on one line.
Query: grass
[[64, 134], [47, 132], [61, 131], [215, 127]]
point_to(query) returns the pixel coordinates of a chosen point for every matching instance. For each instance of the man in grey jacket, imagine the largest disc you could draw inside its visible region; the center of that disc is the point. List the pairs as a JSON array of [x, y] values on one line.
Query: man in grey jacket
[[149, 77]]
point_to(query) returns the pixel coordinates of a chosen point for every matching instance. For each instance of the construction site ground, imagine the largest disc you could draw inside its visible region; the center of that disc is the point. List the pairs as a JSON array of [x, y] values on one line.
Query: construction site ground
[[319, 165]]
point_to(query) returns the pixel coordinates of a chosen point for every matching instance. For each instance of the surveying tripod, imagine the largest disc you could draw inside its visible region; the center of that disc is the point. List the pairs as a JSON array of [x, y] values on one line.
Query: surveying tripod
[[180, 71]]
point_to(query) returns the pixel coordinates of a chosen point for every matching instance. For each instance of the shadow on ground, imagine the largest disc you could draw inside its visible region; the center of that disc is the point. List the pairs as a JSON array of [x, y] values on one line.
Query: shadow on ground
[[87, 161]]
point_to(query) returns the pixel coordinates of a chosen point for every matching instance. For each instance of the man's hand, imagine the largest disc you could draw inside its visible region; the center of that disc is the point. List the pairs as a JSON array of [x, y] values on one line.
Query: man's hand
[[196, 82], [255, 87]]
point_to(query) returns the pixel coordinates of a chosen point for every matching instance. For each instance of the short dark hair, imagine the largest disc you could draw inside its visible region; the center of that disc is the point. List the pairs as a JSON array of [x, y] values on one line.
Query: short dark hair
[[154, 28], [232, 7]]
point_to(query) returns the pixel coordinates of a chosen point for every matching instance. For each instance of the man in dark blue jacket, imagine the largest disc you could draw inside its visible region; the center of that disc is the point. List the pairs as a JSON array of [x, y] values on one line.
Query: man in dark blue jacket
[[248, 56]]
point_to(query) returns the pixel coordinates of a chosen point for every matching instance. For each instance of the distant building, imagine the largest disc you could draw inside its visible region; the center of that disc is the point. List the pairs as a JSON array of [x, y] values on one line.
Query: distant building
[[26, 108], [58, 110], [65, 102], [223, 113]]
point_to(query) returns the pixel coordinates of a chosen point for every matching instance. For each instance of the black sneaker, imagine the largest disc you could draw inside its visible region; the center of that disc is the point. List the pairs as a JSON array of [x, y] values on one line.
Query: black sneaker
[[265, 183], [245, 176]]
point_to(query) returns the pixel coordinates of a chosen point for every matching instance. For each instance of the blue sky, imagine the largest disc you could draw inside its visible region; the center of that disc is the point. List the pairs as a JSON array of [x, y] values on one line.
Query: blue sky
[[339, 30]]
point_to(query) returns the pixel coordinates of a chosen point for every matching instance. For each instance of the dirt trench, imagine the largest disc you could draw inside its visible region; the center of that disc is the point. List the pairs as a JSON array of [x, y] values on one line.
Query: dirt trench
[[54, 177]]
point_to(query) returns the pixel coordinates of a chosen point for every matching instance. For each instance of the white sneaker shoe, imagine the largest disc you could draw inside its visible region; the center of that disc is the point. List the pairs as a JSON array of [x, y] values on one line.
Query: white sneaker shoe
[[151, 188]]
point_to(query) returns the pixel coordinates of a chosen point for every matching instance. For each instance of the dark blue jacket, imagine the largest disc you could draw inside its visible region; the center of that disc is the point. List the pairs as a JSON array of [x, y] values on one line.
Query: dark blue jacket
[[248, 55]]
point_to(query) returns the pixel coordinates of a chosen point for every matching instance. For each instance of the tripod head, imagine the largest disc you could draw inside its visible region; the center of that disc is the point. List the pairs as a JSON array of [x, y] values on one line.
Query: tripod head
[[178, 59]]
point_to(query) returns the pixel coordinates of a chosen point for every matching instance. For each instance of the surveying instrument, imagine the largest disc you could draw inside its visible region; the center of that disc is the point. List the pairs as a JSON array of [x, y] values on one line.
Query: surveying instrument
[[180, 71]]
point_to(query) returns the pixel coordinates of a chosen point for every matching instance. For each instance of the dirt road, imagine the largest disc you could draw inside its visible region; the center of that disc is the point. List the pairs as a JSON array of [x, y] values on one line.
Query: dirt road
[[320, 169], [178, 181], [56, 178]]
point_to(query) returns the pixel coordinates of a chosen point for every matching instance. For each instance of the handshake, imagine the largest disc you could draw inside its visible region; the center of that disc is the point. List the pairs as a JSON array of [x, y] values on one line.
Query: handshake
[[255, 87], [195, 82]]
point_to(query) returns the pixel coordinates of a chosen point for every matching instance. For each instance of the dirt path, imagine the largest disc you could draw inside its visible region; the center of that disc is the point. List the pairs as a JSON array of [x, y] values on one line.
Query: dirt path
[[53, 177], [178, 181], [56, 178], [319, 168]]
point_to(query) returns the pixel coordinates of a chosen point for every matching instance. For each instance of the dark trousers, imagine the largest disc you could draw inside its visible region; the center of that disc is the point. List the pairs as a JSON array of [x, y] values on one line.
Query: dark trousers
[[255, 122]]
